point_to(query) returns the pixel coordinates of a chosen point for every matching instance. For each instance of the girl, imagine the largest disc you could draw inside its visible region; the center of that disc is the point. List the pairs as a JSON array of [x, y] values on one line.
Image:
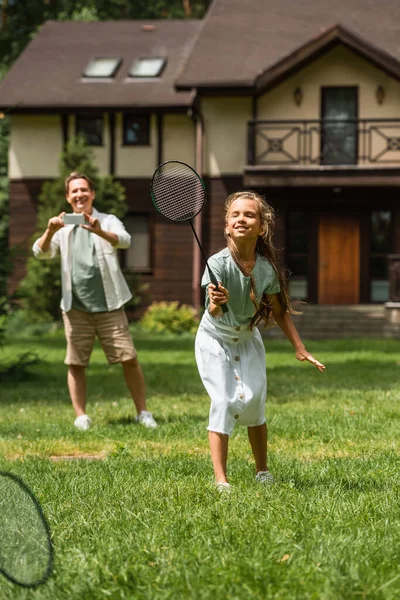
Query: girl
[[230, 354]]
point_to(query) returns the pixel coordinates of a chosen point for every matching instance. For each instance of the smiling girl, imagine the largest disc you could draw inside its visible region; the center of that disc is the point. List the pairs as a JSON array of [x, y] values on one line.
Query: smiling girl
[[230, 353]]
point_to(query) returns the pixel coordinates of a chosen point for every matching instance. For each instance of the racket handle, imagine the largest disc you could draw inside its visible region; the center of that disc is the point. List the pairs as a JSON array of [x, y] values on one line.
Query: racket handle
[[214, 281], [225, 308]]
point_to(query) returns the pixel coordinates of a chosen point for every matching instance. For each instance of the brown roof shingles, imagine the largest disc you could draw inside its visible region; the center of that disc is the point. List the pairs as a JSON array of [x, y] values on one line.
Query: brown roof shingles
[[48, 74], [243, 38]]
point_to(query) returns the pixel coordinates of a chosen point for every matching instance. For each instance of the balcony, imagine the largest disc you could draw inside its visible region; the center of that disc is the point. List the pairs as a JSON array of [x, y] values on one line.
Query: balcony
[[336, 149], [327, 142]]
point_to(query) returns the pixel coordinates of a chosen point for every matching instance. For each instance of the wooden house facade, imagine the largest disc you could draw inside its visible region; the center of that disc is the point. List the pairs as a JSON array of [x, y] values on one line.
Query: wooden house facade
[[299, 101]]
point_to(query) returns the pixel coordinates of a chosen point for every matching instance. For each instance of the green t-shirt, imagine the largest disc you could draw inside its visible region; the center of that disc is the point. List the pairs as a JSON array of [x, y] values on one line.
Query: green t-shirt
[[241, 308], [87, 284]]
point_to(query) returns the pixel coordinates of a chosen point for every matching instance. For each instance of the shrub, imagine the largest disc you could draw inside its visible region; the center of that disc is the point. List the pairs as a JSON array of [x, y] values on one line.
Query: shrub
[[169, 317]]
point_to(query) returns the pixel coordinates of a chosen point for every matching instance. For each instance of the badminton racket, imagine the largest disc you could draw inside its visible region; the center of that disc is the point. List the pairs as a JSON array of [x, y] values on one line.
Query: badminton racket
[[26, 548], [179, 194]]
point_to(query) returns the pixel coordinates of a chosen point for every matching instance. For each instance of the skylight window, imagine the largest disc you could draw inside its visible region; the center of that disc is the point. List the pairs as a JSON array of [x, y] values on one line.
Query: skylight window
[[147, 67], [102, 67]]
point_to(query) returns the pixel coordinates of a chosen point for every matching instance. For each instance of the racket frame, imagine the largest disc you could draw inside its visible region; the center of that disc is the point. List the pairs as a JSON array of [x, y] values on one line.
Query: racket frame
[[214, 281], [46, 526]]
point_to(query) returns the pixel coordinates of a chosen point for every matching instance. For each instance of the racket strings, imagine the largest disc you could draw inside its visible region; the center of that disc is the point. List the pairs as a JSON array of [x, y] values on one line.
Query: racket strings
[[25, 552], [178, 192]]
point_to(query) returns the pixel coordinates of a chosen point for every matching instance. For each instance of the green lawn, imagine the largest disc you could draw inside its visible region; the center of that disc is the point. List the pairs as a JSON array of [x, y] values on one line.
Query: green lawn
[[134, 515]]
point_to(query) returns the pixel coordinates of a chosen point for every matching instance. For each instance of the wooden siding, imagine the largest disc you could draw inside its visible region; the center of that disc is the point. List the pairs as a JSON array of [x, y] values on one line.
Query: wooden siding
[[172, 244]]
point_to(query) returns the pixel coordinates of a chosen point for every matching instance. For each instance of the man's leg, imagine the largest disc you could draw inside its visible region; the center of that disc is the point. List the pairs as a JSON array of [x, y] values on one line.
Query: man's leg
[[219, 454], [80, 335], [135, 381], [258, 443], [77, 388]]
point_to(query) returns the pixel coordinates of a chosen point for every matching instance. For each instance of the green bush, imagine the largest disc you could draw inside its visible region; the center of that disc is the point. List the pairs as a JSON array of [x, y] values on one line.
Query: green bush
[[169, 317], [5, 263]]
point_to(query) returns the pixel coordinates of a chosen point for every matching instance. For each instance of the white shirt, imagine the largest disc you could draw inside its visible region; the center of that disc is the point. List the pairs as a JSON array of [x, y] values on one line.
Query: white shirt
[[116, 289]]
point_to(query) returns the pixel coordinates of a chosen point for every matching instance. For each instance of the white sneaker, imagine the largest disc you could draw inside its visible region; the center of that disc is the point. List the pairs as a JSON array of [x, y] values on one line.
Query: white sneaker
[[265, 477], [83, 423], [146, 418]]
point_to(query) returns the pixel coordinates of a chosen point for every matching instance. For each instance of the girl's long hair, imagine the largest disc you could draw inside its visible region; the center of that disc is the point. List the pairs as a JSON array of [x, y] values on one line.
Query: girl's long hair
[[265, 248]]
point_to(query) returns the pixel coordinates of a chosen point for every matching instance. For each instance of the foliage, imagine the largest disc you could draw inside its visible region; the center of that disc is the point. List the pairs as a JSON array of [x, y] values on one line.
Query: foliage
[[19, 369], [41, 287], [5, 266], [4, 312], [21, 19], [170, 317]]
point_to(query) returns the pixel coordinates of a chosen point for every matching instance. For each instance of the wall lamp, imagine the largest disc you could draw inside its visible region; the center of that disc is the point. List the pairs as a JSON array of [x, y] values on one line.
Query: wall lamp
[[380, 94], [298, 96]]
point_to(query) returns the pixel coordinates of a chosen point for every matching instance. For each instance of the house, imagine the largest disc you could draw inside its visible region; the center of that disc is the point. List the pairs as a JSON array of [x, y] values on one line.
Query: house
[[298, 100]]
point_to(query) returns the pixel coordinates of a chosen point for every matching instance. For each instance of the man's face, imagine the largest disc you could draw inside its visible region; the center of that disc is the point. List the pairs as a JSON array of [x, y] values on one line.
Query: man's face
[[80, 196]]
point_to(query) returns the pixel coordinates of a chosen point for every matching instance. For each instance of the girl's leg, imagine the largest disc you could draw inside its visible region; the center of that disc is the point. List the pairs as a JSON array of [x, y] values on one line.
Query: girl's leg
[[258, 443], [219, 454]]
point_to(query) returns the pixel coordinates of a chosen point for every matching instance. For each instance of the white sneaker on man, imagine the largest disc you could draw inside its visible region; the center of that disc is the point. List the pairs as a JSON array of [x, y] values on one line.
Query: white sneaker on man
[[265, 477], [146, 418], [83, 423]]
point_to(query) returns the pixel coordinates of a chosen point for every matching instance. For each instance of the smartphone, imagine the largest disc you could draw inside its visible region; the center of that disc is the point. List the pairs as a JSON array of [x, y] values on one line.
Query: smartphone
[[74, 219]]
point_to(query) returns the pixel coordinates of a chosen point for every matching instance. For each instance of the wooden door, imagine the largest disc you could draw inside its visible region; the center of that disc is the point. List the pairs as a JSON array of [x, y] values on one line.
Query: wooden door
[[339, 259]]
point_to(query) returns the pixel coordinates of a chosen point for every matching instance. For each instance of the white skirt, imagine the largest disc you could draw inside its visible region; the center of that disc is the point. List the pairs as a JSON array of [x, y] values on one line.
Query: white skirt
[[231, 363]]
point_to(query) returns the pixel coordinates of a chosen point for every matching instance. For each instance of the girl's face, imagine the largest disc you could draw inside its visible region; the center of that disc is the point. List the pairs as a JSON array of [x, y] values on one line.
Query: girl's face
[[243, 220]]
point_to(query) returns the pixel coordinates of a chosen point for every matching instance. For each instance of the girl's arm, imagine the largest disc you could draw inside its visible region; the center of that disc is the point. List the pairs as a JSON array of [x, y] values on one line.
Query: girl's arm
[[285, 322], [216, 299]]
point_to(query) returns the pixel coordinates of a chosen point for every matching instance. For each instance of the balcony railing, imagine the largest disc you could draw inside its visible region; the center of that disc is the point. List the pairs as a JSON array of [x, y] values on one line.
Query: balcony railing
[[324, 142]]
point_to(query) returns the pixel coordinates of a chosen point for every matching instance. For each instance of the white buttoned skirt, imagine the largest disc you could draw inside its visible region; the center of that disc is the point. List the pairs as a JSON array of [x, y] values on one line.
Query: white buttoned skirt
[[231, 363]]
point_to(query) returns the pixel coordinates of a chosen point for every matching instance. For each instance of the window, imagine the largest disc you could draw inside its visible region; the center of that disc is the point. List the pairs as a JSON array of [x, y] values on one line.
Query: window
[[91, 127], [147, 67], [381, 246], [298, 234], [137, 257], [339, 126], [102, 67], [136, 130]]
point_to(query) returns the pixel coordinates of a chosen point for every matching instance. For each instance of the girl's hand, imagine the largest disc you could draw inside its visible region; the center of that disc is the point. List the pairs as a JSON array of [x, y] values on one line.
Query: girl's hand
[[302, 355], [218, 297]]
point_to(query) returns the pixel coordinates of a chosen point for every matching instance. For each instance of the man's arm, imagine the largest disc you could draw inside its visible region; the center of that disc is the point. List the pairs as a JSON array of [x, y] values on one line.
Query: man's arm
[[43, 244], [118, 238]]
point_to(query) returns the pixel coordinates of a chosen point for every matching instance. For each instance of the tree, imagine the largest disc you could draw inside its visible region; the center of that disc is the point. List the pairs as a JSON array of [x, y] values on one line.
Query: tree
[[21, 19], [41, 288], [5, 267]]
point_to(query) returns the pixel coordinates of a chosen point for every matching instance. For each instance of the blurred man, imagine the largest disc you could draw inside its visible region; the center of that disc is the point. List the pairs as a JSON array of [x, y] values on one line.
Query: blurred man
[[93, 294]]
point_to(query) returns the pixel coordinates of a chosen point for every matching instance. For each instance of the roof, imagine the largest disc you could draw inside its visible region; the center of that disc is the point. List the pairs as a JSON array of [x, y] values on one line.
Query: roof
[[246, 38], [48, 74], [245, 45]]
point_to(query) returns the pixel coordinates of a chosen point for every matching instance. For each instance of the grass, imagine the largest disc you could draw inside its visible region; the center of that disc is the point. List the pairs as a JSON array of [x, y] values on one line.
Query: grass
[[135, 516]]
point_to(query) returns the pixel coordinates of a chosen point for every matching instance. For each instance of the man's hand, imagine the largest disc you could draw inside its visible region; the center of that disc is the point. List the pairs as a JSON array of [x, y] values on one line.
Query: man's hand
[[302, 354], [55, 223], [93, 224]]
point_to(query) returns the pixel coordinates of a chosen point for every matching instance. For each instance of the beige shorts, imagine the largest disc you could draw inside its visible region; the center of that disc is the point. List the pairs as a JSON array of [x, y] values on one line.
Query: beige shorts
[[111, 328]]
